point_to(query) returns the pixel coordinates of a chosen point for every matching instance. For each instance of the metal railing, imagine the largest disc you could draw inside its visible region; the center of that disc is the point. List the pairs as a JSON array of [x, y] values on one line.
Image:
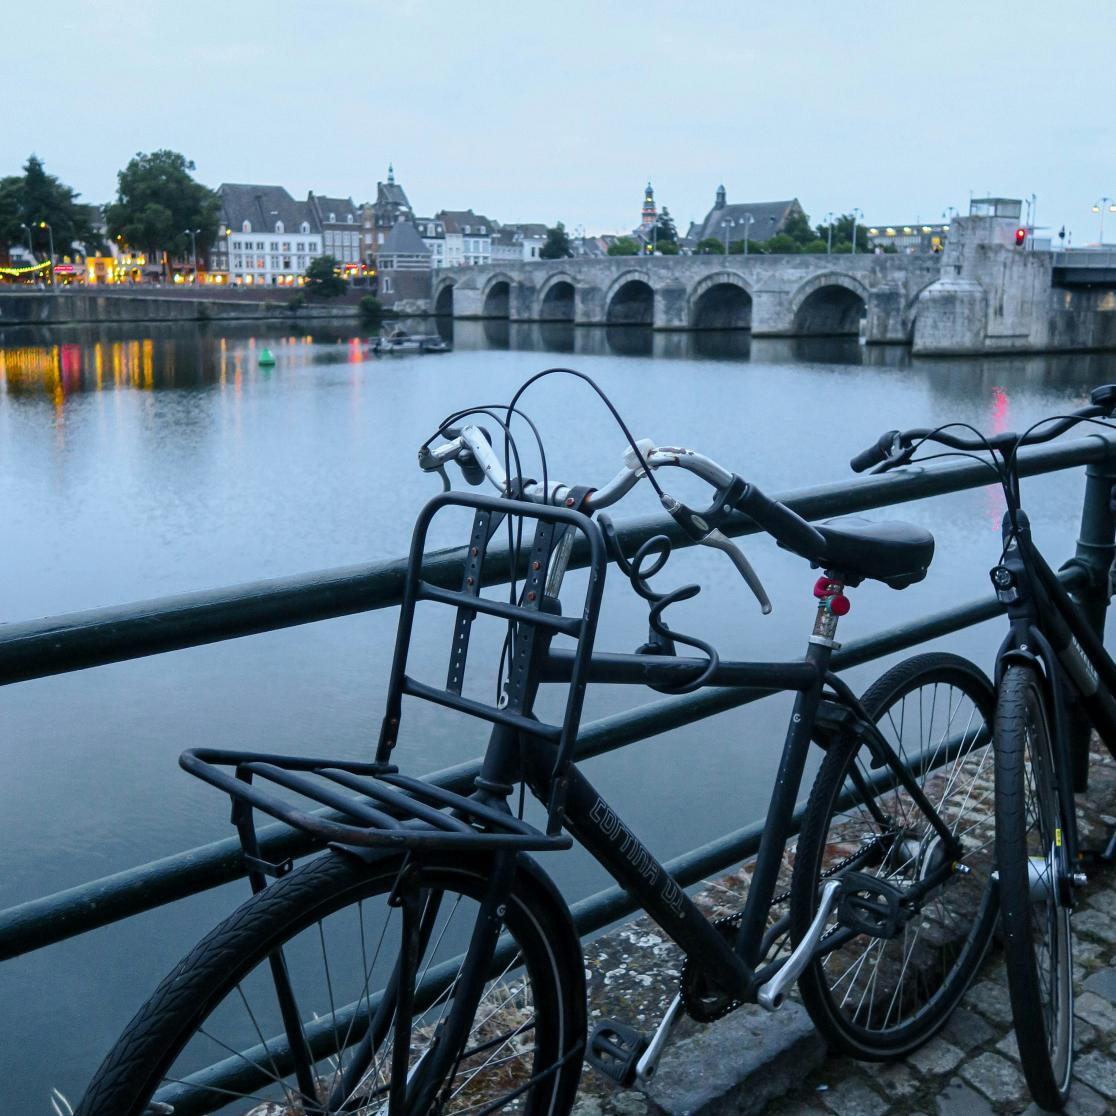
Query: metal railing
[[39, 648]]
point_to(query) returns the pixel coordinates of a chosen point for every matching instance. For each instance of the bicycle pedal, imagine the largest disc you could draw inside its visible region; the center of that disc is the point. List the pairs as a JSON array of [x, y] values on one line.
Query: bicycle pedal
[[614, 1050]]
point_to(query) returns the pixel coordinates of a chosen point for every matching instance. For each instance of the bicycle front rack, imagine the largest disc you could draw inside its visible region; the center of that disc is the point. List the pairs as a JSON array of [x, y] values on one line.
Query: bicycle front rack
[[392, 810]]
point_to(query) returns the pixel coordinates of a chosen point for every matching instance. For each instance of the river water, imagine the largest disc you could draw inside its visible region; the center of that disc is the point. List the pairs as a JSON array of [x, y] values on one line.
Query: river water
[[147, 461]]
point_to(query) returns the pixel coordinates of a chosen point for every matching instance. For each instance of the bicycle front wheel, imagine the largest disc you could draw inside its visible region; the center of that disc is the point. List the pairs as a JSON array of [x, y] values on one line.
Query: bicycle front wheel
[[912, 925], [1038, 943], [216, 1037]]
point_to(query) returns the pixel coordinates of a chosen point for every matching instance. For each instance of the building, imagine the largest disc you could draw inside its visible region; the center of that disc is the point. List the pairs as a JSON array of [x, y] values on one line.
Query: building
[[264, 236], [468, 237], [518, 243], [382, 215], [648, 215], [762, 220], [403, 269], [908, 238], [433, 233], [340, 223]]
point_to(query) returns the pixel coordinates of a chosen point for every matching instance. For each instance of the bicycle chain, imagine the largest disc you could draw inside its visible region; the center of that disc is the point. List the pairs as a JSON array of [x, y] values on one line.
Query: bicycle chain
[[697, 1001]]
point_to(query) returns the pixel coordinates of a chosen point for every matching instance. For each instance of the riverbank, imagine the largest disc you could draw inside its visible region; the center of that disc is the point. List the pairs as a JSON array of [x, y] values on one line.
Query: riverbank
[[73, 308]]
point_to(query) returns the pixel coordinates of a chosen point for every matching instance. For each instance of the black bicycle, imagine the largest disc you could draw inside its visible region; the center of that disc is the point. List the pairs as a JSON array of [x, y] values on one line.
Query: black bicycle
[[426, 963], [1051, 664]]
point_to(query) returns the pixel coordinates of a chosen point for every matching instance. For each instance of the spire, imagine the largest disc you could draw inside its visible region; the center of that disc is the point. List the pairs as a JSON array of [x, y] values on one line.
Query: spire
[[648, 214], [720, 202], [391, 175]]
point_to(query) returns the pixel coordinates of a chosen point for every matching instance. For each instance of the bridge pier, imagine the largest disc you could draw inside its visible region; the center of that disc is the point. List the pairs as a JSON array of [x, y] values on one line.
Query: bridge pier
[[772, 315]]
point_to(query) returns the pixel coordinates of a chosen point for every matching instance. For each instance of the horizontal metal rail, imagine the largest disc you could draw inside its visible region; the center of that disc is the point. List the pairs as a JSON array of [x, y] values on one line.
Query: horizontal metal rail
[[56, 645]]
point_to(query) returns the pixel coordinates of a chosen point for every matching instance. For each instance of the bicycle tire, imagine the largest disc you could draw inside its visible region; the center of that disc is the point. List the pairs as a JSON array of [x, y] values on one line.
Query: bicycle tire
[[1038, 939], [208, 984], [882, 1001]]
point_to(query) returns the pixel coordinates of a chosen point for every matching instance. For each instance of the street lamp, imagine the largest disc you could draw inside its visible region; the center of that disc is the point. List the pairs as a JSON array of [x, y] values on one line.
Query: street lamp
[[746, 221], [50, 236], [1099, 208], [829, 233], [855, 214], [726, 224], [193, 235]]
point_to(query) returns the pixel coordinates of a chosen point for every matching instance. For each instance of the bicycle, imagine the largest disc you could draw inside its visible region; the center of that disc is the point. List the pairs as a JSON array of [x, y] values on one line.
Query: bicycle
[[1050, 658], [471, 996]]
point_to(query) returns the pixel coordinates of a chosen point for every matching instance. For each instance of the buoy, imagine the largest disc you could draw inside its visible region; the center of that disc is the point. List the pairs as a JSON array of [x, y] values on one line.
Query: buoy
[[266, 357]]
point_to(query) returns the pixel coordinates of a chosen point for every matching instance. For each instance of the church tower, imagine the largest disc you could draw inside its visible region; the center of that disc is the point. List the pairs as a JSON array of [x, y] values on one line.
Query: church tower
[[720, 202], [650, 215]]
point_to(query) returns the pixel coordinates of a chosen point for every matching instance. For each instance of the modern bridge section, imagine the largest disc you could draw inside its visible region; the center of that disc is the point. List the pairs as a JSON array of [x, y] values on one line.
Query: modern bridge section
[[771, 295]]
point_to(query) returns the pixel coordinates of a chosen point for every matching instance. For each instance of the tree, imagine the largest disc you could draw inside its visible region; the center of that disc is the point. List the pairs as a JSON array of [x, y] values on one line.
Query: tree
[[781, 244], [665, 232], [797, 227], [557, 246], [667, 248], [711, 246], [158, 201], [842, 234], [34, 197], [623, 246], [322, 278]]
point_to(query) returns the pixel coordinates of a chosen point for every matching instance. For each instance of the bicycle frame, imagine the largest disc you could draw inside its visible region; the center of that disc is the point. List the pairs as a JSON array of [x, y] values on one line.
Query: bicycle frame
[[1048, 629], [604, 834]]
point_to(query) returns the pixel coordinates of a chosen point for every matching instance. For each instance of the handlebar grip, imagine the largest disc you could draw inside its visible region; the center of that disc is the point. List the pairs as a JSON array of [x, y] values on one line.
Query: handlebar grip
[[787, 527], [873, 455]]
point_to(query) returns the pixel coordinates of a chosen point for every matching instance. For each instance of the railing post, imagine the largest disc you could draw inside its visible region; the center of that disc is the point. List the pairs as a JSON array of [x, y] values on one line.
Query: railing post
[[1096, 548]]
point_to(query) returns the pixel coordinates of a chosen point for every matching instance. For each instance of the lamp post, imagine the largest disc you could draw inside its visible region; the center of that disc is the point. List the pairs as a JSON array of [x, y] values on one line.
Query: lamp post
[[726, 224], [193, 235], [746, 221], [30, 249], [50, 238], [855, 214], [1099, 208], [829, 233]]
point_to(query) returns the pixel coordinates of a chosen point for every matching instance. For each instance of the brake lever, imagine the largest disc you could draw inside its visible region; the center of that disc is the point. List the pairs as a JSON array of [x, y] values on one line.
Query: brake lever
[[719, 541]]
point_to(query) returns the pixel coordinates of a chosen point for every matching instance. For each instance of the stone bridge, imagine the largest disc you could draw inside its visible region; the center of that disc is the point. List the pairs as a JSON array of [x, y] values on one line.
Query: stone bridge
[[771, 295]]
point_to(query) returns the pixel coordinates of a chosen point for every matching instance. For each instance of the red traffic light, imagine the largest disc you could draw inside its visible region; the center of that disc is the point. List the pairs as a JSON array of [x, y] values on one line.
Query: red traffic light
[[1020, 237]]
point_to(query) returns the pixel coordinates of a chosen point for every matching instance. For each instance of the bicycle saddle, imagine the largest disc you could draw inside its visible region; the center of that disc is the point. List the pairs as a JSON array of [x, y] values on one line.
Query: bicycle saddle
[[896, 553]]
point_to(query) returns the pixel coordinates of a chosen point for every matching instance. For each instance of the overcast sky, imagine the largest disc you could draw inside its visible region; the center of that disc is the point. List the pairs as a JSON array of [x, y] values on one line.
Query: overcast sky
[[526, 111]]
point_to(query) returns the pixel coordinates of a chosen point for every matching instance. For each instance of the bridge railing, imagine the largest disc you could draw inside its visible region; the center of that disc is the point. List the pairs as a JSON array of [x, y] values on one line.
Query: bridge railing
[[39, 648]]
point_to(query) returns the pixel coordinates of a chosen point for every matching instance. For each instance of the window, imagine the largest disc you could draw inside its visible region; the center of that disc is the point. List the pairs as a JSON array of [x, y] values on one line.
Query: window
[[482, 232], [301, 246], [279, 226], [259, 245], [301, 263], [274, 263], [260, 262], [333, 218], [387, 284], [238, 261], [246, 227], [286, 263], [304, 228], [286, 245], [275, 245], [349, 218]]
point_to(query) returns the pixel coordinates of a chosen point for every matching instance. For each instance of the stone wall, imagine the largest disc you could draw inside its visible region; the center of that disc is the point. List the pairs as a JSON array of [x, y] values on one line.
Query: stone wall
[[65, 308]]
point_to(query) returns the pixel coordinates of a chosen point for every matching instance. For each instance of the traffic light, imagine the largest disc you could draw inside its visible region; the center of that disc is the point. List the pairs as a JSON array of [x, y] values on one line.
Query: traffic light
[[1020, 237]]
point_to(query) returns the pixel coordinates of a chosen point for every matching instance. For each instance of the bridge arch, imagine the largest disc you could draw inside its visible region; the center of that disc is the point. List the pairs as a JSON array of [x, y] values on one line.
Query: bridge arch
[[443, 298], [630, 299], [496, 295], [722, 300], [556, 298], [829, 304]]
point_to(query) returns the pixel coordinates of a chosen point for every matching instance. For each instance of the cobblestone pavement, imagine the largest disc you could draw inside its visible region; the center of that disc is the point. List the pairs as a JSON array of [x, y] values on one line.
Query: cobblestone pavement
[[971, 1068]]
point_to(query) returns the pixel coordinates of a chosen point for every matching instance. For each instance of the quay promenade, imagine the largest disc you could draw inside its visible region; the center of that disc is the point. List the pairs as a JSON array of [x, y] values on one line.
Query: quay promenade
[[752, 1063]]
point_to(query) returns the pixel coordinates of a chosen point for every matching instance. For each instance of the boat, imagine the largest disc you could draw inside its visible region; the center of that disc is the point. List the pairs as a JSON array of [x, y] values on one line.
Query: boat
[[398, 340]]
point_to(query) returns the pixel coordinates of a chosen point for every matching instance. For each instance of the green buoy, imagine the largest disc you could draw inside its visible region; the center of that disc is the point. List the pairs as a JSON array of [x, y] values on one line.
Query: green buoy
[[266, 357]]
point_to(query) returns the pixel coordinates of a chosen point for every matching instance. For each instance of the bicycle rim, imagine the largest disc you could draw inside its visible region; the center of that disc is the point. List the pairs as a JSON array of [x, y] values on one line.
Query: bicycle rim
[[888, 979], [1038, 944]]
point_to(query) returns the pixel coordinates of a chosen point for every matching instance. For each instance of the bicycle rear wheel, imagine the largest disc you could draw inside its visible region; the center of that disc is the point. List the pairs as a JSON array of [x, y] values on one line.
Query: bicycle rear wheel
[[212, 1038], [901, 948], [1038, 941]]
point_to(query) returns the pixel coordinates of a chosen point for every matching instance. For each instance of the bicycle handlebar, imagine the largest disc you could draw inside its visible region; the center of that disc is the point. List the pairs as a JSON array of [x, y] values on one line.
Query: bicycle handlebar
[[894, 447]]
